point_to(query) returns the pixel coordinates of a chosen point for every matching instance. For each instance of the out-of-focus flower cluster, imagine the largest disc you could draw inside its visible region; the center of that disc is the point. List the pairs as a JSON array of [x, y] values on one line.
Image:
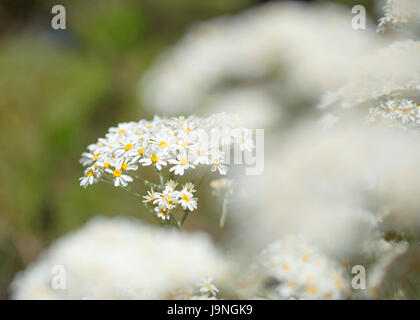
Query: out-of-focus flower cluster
[[387, 87], [288, 52], [292, 269], [399, 13], [121, 258], [346, 190]]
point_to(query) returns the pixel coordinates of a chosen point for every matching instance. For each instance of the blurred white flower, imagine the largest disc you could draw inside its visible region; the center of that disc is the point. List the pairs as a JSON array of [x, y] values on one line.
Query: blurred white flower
[[342, 189], [285, 51], [206, 286], [386, 86], [398, 13], [121, 258], [291, 268]]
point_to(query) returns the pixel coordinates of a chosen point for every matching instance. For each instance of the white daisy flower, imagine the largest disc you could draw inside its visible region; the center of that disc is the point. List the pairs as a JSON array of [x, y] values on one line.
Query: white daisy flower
[[217, 165], [162, 213], [118, 173], [187, 200], [91, 176], [207, 286], [188, 187], [156, 158], [150, 197], [167, 198], [182, 163]]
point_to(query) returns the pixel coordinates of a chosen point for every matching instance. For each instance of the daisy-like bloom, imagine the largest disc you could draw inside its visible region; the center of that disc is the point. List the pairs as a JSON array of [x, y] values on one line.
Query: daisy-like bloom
[[126, 145], [189, 187], [150, 197], [167, 199], [162, 213], [244, 139], [187, 201], [206, 286], [118, 171], [154, 157], [92, 175], [218, 166], [182, 163], [90, 157]]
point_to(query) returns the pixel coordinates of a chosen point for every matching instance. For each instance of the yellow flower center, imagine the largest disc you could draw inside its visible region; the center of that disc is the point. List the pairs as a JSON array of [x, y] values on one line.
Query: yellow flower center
[[106, 165], [305, 257], [117, 173], [141, 151], [207, 286], [96, 156], [164, 212], [184, 144], [188, 130], [124, 166], [285, 267], [406, 110], [311, 290], [163, 144], [327, 295], [121, 131], [339, 283], [185, 198], [201, 153], [128, 147], [154, 158], [394, 109], [183, 161], [90, 173], [149, 127]]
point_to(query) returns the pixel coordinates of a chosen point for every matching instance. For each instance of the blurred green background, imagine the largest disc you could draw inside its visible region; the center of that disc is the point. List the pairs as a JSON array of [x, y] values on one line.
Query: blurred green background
[[59, 91]]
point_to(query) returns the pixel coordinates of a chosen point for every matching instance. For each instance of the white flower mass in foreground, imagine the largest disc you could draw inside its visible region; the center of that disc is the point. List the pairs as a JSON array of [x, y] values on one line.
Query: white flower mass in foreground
[[121, 258]]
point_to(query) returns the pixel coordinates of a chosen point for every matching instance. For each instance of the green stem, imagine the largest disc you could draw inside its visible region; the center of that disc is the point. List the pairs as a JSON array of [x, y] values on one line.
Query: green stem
[[224, 212], [184, 217], [202, 179]]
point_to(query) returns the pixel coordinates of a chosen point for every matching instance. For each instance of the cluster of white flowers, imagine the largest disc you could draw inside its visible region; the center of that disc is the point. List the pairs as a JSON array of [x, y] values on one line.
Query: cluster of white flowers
[[387, 87], [344, 190], [398, 112], [291, 268], [177, 144], [169, 198], [122, 258], [267, 48], [399, 13]]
